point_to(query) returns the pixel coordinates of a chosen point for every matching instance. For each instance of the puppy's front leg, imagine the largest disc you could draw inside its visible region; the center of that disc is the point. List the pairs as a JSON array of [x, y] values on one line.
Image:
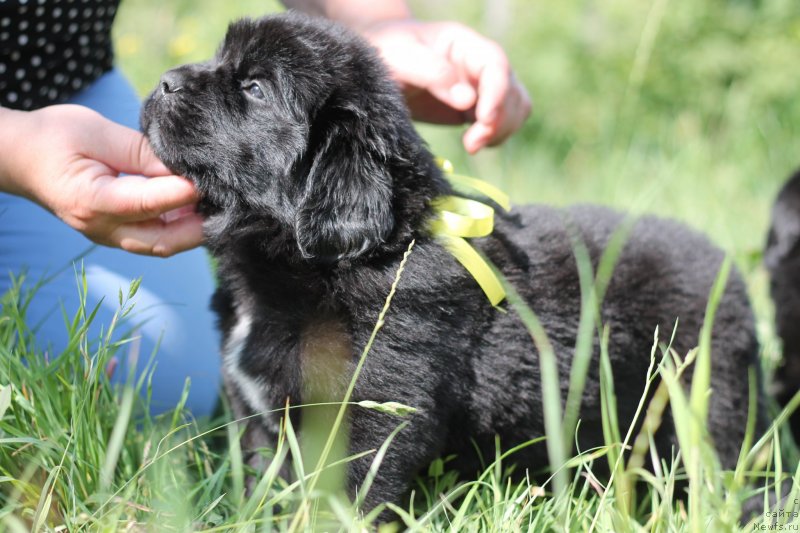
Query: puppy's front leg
[[328, 360], [256, 436], [418, 443]]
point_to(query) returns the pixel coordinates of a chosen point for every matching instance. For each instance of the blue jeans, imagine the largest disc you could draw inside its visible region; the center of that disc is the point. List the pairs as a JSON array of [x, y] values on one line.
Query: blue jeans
[[171, 307]]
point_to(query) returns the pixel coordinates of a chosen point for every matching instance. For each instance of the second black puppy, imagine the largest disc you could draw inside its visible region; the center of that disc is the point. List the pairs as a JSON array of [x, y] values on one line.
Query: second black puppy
[[782, 258], [314, 182]]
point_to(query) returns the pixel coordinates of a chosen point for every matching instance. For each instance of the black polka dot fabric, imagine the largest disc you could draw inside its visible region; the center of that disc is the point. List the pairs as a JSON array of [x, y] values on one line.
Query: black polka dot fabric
[[51, 49]]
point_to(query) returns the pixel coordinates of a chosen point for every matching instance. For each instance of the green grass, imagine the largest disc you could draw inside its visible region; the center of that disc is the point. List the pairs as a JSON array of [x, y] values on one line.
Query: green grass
[[77, 454], [685, 109]]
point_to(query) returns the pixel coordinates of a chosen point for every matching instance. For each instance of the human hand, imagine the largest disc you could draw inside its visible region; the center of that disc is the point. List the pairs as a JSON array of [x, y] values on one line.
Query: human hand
[[68, 159], [451, 74]]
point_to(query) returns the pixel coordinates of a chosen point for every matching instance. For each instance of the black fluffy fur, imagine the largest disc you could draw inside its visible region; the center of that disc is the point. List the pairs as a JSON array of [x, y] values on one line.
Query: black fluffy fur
[[313, 193], [782, 258]]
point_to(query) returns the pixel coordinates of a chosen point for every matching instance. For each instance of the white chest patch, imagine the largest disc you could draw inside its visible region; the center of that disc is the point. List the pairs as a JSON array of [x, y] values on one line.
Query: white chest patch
[[253, 389]]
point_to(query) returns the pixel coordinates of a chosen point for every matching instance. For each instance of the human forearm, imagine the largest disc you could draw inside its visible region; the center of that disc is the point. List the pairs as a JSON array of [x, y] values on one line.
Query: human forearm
[[13, 126]]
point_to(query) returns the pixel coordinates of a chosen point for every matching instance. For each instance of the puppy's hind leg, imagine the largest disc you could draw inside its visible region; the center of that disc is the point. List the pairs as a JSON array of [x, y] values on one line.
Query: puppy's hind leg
[[412, 449], [729, 414], [735, 380]]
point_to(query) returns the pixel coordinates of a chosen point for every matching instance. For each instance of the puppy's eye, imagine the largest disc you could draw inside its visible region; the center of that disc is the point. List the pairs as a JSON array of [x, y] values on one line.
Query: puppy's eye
[[254, 90]]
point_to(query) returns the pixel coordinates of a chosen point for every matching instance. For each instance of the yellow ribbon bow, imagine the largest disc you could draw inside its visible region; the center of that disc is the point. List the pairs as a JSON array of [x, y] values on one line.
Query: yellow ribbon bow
[[457, 218]]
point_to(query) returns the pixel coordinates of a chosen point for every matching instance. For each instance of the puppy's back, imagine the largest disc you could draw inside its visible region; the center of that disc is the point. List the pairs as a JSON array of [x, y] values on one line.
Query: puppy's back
[[663, 278]]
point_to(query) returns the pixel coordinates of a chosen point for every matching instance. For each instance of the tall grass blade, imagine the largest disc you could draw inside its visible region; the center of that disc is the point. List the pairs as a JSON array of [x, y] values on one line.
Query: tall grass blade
[[551, 393], [593, 291]]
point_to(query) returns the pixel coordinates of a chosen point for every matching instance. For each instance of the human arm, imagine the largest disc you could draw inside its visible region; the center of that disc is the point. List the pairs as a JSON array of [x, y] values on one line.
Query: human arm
[[68, 159], [449, 73]]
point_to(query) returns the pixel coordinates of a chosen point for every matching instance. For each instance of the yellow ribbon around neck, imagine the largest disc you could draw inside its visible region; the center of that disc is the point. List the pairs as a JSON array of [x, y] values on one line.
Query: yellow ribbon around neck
[[457, 218]]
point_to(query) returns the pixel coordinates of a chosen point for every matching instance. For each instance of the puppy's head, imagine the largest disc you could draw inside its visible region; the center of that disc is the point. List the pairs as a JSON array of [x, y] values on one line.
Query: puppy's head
[[293, 122]]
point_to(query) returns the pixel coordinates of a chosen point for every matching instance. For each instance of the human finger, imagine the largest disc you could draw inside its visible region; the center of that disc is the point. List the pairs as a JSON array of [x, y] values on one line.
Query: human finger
[[513, 112], [416, 66], [425, 106], [159, 238], [125, 150], [136, 198], [477, 136], [493, 91]]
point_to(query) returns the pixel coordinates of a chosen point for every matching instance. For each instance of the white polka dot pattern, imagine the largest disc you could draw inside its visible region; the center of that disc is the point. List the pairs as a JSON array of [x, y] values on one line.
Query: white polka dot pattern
[[50, 49]]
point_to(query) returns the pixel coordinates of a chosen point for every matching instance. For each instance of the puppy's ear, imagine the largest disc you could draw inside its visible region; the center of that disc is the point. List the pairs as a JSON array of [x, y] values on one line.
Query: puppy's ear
[[783, 241], [347, 206]]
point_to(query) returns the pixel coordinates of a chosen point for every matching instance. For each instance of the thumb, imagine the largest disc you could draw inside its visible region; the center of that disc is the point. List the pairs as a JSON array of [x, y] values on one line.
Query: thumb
[[418, 66], [126, 150]]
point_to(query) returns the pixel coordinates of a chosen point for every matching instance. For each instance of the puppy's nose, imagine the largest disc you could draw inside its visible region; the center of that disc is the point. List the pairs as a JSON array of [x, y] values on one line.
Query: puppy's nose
[[172, 81]]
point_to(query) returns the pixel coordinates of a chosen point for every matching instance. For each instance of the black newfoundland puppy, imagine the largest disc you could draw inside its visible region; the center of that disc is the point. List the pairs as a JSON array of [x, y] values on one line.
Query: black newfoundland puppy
[[782, 258], [314, 182]]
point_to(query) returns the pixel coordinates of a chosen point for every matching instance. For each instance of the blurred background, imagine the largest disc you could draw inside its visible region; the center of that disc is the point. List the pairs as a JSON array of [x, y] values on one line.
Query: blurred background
[[685, 108]]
